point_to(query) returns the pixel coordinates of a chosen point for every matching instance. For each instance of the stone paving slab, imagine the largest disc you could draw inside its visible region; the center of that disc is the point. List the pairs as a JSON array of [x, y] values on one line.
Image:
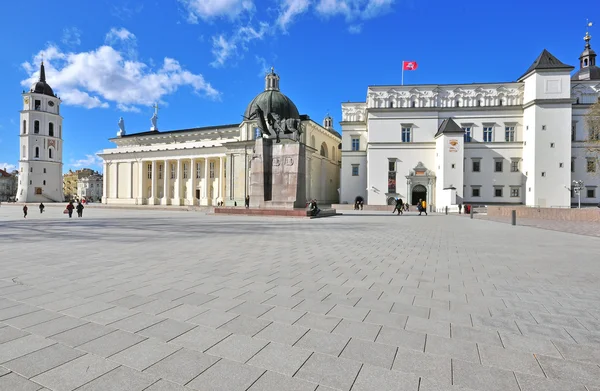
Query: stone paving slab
[[182, 301]]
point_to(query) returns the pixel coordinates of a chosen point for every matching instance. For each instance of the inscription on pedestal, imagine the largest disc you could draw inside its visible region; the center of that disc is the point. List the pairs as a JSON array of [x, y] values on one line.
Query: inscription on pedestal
[[289, 161], [276, 162]]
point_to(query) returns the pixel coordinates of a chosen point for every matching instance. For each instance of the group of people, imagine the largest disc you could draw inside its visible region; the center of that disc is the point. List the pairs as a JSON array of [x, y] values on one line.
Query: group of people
[[400, 207], [68, 210]]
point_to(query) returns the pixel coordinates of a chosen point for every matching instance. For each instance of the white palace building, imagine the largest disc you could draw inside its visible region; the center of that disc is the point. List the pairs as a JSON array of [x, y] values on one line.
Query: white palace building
[[520, 142], [211, 165]]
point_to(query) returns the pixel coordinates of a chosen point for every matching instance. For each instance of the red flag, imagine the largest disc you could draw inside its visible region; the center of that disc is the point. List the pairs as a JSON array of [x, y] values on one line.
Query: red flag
[[409, 65]]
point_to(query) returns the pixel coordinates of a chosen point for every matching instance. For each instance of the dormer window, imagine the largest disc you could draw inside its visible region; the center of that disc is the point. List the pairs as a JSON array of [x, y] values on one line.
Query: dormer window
[[391, 105]]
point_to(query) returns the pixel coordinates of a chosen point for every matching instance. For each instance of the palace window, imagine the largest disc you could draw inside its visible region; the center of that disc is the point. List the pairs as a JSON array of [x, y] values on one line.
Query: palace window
[[51, 129], [198, 171], [392, 165], [24, 126], [476, 165], [488, 134], [185, 171], [572, 164], [498, 192], [149, 169], [355, 143], [413, 104], [406, 134], [211, 169], [36, 127], [160, 171], [173, 171], [467, 130], [355, 169], [514, 165], [30, 169], [543, 173], [591, 165], [475, 192], [498, 165], [514, 192], [543, 127], [37, 152], [509, 134], [591, 192]]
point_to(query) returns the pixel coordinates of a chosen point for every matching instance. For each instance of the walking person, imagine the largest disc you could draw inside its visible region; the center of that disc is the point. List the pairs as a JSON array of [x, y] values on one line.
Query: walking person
[[395, 206], [247, 202], [424, 207], [459, 208], [42, 207], [25, 211], [79, 209], [70, 208], [400, 206]]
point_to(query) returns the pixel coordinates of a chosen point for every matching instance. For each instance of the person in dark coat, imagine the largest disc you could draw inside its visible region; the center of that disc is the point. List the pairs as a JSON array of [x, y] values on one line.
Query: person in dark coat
[[79, 209], [24, 211], [247, 202], [70, 208], [400, 206], [42, 207]]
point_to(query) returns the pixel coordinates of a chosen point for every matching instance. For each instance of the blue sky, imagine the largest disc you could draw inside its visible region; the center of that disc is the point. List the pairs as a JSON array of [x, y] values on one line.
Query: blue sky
[[204, 60]]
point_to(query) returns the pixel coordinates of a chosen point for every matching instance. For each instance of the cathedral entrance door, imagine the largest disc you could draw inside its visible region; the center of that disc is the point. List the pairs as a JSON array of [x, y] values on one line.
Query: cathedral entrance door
[[419, 192]]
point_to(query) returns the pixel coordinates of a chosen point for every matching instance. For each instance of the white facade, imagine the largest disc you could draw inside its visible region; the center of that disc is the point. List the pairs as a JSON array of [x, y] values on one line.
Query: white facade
[[90, 188], [514, 143], [41, 145], [210, 165]]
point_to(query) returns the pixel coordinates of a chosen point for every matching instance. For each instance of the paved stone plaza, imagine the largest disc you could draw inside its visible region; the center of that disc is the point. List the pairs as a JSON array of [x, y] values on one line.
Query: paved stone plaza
[[127, 300]]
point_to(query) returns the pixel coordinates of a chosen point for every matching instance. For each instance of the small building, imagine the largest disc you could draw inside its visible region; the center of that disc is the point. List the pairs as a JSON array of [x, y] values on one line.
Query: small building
[[71, 179], [89, 188], [8, 185], [211, 165]]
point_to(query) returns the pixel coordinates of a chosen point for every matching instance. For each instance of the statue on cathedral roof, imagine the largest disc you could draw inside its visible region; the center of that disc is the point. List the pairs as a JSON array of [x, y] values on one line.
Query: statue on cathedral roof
[[121, 127]]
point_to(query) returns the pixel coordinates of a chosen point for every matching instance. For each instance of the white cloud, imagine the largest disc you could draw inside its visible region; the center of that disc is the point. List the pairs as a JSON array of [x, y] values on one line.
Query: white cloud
[[119, 34], [123, 39], [355, 29], [104, 75], [264, 68], [354, 9], [71, 36], [88, 161], [225, 48], [8, 167], [211, 9], [125, 11], [289, 10]]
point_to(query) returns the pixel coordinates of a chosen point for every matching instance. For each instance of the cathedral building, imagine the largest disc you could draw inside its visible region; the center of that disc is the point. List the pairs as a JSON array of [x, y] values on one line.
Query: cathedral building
[[211, 165], [41, 145], [520, 142]]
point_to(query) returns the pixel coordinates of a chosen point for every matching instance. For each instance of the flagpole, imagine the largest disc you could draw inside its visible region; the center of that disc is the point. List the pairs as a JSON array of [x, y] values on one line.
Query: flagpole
[[403, 73]]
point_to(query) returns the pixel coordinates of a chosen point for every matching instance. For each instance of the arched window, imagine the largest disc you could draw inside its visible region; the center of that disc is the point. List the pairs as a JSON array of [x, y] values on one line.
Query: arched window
[[50, 153], [51, 129], [37, 152], [585, 62], [36, 127], [44, 183], [324, 150], [24, 126]]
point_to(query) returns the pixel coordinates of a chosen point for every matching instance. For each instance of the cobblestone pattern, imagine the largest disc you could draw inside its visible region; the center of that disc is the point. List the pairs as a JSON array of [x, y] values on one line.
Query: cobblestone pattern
[[160, 301]]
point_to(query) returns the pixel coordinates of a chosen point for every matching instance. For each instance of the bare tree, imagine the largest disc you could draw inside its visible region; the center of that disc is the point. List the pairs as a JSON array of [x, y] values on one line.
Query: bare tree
[[592, 121]]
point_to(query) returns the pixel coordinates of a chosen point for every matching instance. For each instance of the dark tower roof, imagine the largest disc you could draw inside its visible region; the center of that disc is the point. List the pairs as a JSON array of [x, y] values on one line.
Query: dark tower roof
[[41, 87], [546, 61], [588, 70], [272, 100], [448, 126]]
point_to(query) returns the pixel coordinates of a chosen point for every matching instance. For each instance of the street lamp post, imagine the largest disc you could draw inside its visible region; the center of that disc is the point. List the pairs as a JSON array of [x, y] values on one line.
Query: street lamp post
[[577, 187]]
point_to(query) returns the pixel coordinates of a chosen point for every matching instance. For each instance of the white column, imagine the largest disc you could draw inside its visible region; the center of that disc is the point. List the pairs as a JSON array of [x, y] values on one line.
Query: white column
[[178, 178], [141, 173], [205, 189], [115, 183], [221, 178], [105, 183], [165, 179], [192, 190], [153, 180], [130, 179]]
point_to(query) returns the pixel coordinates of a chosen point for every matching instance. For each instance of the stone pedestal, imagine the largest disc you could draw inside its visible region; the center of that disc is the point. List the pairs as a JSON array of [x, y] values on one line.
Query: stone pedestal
[[278, 175]]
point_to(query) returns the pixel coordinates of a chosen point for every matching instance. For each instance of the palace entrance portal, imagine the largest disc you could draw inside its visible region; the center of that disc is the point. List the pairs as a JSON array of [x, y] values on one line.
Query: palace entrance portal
[[419, 192]]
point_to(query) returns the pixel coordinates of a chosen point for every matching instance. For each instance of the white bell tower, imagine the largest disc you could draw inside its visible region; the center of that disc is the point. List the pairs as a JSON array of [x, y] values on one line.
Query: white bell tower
[[41, 146]]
